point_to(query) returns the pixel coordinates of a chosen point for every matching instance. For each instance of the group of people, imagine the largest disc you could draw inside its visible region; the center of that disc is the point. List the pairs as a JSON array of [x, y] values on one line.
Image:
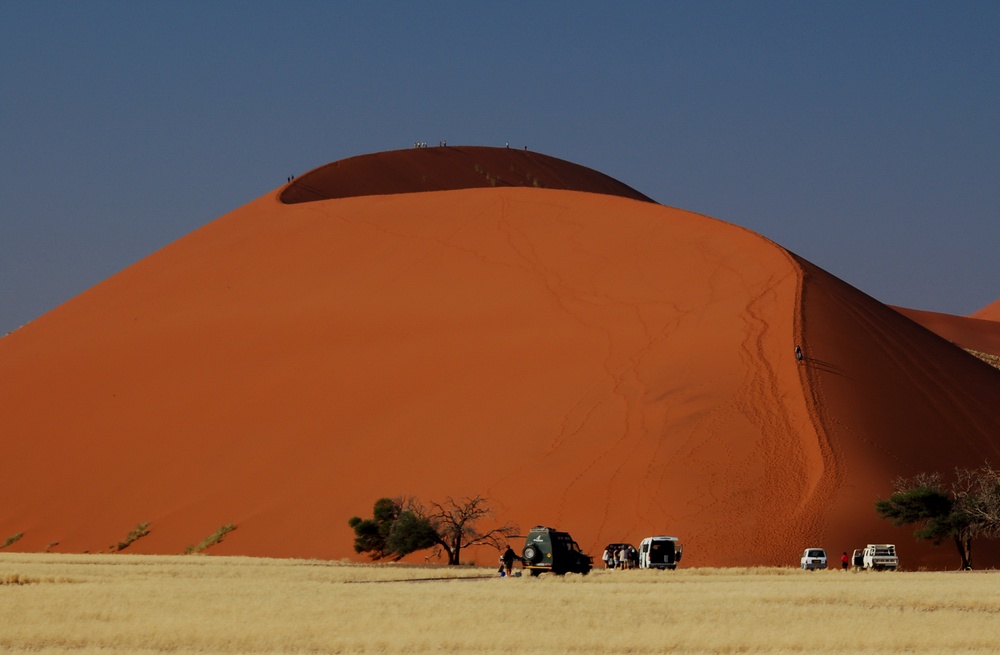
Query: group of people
[[621, 557]]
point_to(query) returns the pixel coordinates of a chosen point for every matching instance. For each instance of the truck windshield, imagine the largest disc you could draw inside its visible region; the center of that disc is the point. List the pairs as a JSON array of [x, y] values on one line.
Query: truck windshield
[[564, 541]]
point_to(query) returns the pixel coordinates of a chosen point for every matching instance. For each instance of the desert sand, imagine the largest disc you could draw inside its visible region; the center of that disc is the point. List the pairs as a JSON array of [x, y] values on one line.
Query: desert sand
[[591, 361]]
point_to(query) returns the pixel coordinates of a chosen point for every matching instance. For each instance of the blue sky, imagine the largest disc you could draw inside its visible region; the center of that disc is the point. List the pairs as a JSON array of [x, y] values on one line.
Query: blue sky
[[864, 136]]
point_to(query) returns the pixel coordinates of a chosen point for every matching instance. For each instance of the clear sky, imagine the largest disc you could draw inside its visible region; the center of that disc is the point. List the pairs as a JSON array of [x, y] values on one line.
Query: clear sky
[[863, 136]]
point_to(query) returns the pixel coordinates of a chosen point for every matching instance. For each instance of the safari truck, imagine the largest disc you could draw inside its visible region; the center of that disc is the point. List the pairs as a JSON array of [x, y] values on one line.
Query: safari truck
[[879, 557], [547, 549], [660, 553]]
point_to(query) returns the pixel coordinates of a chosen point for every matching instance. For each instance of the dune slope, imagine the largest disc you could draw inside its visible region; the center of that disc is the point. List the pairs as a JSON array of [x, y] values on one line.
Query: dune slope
[[892, 399], [609, 366]]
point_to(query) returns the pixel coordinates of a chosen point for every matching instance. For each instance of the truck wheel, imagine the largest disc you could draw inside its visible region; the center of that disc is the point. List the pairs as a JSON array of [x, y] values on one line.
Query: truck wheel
[[535, 573], [531, 554]]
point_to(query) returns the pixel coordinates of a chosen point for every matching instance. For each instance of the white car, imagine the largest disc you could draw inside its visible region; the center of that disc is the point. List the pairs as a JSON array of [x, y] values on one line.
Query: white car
[[813, 558]]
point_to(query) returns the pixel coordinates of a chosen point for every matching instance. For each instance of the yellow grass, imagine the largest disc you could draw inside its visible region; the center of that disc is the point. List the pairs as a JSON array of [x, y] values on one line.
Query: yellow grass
[[141, 604]]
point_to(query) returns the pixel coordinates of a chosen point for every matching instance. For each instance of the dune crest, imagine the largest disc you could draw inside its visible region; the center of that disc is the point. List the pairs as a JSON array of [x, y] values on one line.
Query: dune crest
[[609, 366], [448, 168]]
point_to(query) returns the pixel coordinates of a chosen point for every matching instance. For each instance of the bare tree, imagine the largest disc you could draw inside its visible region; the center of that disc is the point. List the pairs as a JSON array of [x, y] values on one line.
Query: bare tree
[[977, 495], [455, 522]]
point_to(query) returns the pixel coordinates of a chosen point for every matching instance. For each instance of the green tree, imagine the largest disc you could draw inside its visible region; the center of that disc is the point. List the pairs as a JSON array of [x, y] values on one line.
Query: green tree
[[397, 528], [968, 508]]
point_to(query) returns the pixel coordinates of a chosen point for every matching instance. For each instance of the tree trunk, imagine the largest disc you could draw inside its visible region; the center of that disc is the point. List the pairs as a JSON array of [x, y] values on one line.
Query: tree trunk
[[964, 545], [447, 549]]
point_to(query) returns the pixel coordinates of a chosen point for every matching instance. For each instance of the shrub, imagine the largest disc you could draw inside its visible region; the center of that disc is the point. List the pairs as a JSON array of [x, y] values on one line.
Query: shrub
[[138, 532], [210, 540], [11, 539]]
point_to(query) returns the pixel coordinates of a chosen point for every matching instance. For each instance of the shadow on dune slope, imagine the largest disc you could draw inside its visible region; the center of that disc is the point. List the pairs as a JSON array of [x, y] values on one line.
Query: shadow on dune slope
[[445, 169]]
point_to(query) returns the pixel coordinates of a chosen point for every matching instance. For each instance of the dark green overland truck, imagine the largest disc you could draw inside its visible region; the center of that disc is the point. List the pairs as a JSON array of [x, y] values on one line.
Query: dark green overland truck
[[547, 549]]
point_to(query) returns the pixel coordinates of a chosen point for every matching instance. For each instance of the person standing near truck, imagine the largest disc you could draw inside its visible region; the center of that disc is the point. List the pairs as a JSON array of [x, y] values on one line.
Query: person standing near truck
[[844, 560], [508, 558]]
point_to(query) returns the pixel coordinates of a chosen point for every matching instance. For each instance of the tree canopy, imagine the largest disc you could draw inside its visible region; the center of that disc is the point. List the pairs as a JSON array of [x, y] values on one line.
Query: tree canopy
[[395, 530]]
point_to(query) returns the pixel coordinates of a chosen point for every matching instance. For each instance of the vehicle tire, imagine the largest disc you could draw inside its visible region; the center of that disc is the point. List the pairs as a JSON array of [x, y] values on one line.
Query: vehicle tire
[[531, 554], [535, 573]]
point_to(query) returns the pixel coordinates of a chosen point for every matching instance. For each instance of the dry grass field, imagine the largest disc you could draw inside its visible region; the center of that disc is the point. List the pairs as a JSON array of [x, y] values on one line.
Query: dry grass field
[[111, 604]]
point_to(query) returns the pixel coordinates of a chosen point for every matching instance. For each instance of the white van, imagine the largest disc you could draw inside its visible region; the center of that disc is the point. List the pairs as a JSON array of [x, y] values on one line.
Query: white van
[[660, 553]]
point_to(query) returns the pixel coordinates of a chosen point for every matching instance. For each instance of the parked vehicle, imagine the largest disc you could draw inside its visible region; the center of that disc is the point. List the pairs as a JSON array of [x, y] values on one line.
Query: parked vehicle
[[858, 558], [547, 549], [660, 553], [812, 559], [879, 557]]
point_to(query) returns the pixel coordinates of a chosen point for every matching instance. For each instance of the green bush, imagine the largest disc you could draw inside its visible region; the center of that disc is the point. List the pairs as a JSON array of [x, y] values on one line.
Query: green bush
[[210, 540]]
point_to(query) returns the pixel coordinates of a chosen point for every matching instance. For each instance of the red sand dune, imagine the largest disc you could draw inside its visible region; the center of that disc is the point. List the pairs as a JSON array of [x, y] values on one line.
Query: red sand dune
[[966, 332], [990, 313], [608, 366]]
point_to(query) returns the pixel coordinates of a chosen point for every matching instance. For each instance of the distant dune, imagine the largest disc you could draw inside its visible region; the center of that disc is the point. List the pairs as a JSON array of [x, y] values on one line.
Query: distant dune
[[990, 313], [584, 358], [980, 335]]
